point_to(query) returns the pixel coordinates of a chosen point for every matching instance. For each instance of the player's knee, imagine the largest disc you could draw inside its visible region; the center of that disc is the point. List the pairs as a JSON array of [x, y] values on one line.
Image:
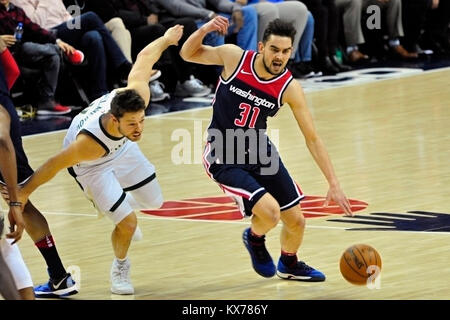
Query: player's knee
[[128, 225], [296, 222], [273, 214]]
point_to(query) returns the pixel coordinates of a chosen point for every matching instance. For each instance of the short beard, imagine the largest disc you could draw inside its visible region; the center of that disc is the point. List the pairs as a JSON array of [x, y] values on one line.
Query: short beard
[[268, 69]]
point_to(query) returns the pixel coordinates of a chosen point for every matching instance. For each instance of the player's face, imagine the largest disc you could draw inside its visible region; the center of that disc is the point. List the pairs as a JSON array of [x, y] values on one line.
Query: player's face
[[276, 53], [131, 125]]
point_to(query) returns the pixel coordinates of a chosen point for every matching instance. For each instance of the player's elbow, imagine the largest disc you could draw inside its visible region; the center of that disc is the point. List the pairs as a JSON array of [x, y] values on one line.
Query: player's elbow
[[184, 53], [188, 53]]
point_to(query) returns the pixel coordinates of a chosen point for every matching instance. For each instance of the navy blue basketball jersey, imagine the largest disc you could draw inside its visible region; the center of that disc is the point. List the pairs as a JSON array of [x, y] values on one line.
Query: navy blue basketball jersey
[[245, 100], [241, 106]]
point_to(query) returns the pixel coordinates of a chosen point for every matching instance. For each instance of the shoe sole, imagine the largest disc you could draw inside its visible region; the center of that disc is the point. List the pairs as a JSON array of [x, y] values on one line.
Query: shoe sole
[[288, 276], [58, 293], [122, 292]]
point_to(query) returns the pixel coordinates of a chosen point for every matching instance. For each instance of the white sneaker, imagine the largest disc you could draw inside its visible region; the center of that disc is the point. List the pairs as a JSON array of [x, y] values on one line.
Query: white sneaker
[[120, 277], [192, 88], [157, 91]]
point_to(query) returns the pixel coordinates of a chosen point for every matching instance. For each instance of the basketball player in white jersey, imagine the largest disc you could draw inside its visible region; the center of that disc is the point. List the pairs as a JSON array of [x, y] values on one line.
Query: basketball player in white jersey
[[101, 153]]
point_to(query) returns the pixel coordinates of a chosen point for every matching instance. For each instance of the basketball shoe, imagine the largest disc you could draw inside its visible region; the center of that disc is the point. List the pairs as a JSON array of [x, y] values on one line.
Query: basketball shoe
[[120, 277], [301, 271], [261, 260], [59, 288]]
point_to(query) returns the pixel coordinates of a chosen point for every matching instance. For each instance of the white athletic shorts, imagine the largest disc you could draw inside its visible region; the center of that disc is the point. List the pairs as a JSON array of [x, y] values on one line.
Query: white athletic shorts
[[13, 258], [125, 184]]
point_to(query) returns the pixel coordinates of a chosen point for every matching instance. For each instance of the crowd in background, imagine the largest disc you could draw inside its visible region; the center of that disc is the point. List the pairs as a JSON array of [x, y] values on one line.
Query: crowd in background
[[84, 48]]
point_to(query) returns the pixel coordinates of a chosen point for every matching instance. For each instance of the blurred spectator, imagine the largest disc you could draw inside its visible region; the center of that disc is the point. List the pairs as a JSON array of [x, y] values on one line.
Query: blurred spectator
[[326, 33], [86, 32], [436, 35], [110, 17], [391, 11], [143, 19], [244, 19], [269, 10], [38, 50], [302, 67], [351, 10]]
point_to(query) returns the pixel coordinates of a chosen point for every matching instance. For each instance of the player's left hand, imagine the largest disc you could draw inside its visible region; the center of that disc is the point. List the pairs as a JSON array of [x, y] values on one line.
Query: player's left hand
[[174, 34], [16, 222], [337, 195]]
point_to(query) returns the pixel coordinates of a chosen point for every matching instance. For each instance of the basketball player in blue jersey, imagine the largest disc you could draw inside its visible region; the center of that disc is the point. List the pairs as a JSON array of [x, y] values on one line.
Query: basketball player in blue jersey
[[102, 155], [252, 87]]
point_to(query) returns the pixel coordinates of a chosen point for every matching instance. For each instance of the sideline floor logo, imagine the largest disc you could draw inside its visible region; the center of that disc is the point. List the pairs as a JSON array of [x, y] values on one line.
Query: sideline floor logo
[[224, 208], [423, 221]]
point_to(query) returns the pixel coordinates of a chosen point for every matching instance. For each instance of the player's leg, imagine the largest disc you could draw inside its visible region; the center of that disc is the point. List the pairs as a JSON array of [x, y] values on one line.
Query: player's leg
[[138, 179], [19, 270], [121, 239], [266, 214], [60, 282], [106, 192], [137, 176], [122, 234], [291, 238], [8, 288], [288, 194]]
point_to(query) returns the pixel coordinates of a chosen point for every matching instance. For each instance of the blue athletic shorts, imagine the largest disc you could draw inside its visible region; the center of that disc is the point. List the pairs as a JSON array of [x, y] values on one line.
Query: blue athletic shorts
[[246, 183]]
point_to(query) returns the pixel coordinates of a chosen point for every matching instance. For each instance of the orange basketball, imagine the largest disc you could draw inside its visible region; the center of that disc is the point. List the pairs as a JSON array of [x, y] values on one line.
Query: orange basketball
[[359, 262]]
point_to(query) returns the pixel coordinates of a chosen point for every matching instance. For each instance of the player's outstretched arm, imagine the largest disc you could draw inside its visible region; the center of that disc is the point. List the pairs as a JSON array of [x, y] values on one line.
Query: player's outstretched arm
[[141, 72], [84, 148], [295, 97]]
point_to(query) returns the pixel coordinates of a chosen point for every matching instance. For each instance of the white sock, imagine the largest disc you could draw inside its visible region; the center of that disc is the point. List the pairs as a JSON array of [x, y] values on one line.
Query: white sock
[[121, 261]]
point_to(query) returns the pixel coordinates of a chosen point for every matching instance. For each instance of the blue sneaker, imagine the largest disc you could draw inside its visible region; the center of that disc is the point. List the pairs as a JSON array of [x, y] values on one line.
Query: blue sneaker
[[261, 259], [63, 288], [301, 272]]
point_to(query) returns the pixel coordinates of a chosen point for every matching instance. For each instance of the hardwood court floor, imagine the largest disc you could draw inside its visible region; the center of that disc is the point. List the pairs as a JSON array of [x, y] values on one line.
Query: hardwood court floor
[[390, 145]]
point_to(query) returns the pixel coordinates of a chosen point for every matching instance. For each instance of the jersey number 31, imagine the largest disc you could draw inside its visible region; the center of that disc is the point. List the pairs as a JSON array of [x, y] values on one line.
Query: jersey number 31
[[246, 108]]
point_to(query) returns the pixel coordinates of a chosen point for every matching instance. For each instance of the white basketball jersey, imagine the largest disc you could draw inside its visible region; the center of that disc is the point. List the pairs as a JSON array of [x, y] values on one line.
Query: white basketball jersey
[[89, 122]]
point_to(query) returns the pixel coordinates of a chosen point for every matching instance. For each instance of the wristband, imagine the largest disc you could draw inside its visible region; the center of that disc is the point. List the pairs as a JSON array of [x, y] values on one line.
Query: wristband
[[15, 204]]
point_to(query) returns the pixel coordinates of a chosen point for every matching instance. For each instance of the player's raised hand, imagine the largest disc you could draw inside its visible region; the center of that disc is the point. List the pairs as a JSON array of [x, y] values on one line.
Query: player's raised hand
[[218, 24], [174, 34]]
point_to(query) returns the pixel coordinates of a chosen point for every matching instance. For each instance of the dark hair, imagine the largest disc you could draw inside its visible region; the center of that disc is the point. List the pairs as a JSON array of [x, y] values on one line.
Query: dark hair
[[126, 101], [281, 28]]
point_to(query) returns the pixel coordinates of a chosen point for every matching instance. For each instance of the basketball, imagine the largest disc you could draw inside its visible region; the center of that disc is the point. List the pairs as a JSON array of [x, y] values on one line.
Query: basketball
[[359, 263]]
